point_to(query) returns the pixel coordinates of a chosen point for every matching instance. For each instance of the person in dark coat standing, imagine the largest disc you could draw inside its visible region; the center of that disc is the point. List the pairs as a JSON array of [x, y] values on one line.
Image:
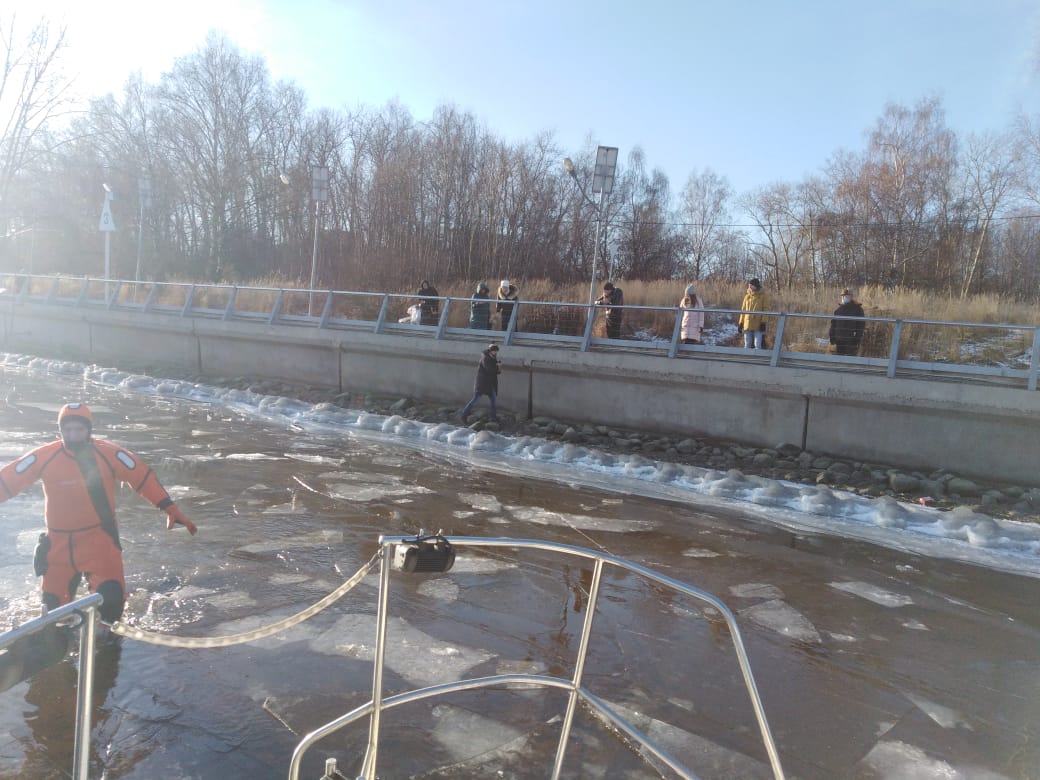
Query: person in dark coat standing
[[614, 298], [480, 308], [486, 382], [429, 305], [845, 335]]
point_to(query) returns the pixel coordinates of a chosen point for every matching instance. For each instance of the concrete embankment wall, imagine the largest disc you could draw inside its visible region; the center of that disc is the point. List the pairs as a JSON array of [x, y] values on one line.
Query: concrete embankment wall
[[982, 431]]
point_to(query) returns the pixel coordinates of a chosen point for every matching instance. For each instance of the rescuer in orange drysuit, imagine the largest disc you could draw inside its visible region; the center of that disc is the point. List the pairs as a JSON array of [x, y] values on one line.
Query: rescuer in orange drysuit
[[79, 475]]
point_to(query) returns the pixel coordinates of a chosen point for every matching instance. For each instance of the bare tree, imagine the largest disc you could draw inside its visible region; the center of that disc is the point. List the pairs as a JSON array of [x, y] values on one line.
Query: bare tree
[[703, 208], [991, 170], [34, 92]]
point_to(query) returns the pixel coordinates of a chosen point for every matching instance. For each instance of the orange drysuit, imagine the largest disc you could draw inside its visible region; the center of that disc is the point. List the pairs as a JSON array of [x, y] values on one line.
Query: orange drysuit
[[79, 510]]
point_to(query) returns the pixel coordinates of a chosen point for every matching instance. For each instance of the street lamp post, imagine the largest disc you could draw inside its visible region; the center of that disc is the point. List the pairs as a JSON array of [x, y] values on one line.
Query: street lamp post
[[603, 184], [144, 190], [107, 226], [320, 192]]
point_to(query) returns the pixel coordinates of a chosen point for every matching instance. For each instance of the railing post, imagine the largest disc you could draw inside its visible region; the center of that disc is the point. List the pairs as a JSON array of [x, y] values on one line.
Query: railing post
[[778, 339], [187, 301], [276, 309], [384, 307], [82, 290], [589, 322], [579, 668], [368, 767], [229, 310], [1034, 362], [111, 302], [84, 699], [442, 323], [893, 354], [673, 348], [514, 317], [150, 299], [326, 310]]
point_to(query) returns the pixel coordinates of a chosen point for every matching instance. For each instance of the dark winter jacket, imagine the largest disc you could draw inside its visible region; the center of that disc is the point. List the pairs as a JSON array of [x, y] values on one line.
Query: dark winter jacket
[[613, 298], [429, 305], [847, 332], [486, 381], [507, 299], [480, 311]]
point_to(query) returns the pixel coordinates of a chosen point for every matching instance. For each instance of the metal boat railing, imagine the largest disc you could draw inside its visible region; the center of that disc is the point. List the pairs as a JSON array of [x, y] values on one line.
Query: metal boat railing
[[84, 610], [578, 693], [563, 325]]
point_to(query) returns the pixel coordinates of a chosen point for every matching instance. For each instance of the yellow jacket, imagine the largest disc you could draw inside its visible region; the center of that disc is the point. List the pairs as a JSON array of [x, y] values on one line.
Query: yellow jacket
[[753, 301]]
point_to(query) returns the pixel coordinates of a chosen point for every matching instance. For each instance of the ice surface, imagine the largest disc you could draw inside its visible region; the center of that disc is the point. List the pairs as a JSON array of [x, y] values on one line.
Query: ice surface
[[900, 761], [944, 716], [960, 534], [417, 657], [756, 590], [778, 616], [865, 590]]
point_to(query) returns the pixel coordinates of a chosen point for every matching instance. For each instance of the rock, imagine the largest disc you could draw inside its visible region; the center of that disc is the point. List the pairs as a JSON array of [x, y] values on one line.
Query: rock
[[764, 459], [839, 467], [687, 445], [789, 450], [822, 463], [903, 483], [963, 487]]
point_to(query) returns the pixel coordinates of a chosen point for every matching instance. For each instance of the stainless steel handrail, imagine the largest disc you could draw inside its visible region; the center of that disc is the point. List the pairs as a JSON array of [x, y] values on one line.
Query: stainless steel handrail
[[86, 610], [92, 293], [575, 688]]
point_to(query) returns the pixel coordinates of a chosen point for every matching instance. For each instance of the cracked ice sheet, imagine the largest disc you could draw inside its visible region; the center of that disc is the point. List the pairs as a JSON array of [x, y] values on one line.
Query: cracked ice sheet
[[865, 590], [579, 522], [900, 761], [784, 619], [417, 657]]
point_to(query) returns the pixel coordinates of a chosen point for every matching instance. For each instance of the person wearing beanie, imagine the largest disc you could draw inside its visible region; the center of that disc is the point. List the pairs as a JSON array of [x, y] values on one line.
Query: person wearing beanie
[[751, 323], [429, 303], [508, 295], [846, 334], [480, 308], [614, 298], [79, 475], [692, 328], [485, 382]]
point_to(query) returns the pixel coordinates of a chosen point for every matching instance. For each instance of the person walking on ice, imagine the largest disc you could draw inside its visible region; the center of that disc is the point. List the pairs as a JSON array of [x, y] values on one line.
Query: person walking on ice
[[485, 382]]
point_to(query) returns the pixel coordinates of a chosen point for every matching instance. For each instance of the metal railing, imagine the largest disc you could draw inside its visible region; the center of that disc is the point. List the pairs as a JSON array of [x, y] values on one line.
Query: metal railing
[[1005, 354], [577, 692], [85, 610]]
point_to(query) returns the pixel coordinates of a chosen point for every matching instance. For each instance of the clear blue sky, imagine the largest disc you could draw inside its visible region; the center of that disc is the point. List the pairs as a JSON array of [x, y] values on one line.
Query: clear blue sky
[[757, 91]]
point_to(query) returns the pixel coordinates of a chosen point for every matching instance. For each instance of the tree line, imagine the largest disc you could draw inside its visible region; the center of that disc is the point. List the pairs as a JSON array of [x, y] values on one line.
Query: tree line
[[227, 154]]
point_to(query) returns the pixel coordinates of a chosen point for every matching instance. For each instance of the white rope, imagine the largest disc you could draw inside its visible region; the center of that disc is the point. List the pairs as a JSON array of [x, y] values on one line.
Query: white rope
[[132, 632]]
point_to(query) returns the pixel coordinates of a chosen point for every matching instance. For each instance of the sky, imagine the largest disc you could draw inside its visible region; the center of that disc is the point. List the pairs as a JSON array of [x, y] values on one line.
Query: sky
[[758, 92]]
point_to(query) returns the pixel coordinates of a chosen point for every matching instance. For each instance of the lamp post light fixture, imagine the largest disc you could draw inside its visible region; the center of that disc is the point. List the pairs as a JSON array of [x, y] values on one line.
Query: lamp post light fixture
[[320, 193], [144, 191], [603, 184]]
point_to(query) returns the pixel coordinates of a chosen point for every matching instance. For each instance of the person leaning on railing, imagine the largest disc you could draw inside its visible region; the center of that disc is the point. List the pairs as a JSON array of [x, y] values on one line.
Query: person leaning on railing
[[751, 323], [845, 335], [508, 297], [480, 308], [692, 328], [429, 305]]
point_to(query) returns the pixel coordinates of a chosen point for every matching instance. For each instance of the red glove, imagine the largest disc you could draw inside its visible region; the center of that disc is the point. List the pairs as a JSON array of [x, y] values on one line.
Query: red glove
[[174, 516]]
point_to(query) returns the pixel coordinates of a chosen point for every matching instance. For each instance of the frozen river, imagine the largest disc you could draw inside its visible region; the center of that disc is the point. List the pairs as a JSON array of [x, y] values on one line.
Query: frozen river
[[888, 641]]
